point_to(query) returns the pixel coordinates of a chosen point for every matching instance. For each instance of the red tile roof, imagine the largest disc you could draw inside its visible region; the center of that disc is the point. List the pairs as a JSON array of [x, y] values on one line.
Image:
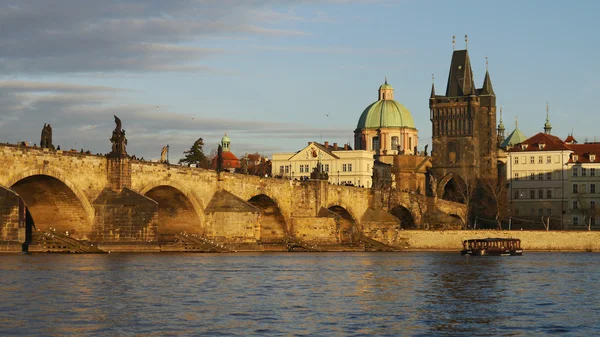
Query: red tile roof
[[540, 142], [583, 152]]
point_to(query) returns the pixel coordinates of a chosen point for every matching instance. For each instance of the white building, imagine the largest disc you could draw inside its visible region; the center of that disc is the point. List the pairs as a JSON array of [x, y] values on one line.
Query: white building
[[342, 164], [553, 179]]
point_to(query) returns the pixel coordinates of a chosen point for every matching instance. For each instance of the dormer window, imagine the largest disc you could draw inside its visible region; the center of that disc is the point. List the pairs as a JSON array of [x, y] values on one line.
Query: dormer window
[[575, 157], [523, 146], [541, 145], [592, 157]]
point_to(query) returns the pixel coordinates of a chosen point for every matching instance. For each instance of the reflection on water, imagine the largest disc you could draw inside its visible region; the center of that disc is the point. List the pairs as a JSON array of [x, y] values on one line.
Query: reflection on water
[[325, 294]]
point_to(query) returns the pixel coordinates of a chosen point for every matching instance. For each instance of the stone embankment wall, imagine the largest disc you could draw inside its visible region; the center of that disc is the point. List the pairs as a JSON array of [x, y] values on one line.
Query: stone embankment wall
[[451, 240]]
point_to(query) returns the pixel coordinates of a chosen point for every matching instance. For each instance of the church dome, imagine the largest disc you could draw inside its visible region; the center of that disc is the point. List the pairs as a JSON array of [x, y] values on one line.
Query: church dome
[[225, 139], [386, 112]]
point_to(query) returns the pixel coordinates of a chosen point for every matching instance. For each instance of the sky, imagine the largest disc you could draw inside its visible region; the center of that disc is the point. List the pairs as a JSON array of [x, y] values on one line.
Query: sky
[[274, 75]]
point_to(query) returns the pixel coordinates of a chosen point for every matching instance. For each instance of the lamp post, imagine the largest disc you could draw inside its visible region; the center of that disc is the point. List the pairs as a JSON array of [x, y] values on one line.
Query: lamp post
[[167, 153], [338, 177]]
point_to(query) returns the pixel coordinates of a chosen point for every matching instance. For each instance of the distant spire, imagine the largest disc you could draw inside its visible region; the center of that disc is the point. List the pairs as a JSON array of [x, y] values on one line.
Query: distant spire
[[466, 42], [547, 125], [486, 64], [453, 42], [517, 122], [432, 86], [501, 126], [386, 80]]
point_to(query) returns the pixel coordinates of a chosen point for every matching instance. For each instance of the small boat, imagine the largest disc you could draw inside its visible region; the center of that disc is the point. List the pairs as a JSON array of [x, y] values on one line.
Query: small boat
[[492, 247]]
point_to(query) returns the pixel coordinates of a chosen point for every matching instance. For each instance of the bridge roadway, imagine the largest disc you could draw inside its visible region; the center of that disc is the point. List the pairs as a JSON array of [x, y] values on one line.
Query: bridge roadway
[[128, 201]]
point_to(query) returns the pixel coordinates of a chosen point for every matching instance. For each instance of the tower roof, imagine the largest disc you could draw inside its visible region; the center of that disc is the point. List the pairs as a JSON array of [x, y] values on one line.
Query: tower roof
[[515, 137], [460, 78], [487, 88]]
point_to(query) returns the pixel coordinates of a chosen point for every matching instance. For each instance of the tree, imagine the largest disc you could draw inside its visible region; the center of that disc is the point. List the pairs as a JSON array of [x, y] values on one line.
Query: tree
[[465, 185], [496, 201], [195, 155]]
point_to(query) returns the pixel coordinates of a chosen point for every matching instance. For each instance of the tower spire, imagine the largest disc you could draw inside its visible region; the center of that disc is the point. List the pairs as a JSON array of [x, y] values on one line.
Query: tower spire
[[466, 41], [432, 86], [547, 125], [500, 129], [453, 42]]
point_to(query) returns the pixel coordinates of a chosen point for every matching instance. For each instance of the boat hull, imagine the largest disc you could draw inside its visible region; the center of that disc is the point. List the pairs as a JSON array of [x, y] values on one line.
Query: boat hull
[[492, 252]]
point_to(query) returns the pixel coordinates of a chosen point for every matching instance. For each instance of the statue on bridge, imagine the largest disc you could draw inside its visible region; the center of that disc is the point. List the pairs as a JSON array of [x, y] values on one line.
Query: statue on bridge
[[163, 154], [119, 142], [46, 139]]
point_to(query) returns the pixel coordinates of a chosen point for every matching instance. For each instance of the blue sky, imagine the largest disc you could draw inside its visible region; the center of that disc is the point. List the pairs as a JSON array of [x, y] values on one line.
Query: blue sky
[[274, 75]]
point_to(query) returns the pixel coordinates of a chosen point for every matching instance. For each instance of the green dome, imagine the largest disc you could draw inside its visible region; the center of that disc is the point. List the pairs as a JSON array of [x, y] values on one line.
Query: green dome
[[385, 86], [386, 114]]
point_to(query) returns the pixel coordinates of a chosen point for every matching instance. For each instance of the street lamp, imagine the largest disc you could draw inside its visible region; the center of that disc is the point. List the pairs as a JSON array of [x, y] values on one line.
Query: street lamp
[[167, 153], [338, 177]]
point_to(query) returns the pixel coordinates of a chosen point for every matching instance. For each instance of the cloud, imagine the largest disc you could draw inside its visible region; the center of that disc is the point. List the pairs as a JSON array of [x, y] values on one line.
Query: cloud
[[86, 36]]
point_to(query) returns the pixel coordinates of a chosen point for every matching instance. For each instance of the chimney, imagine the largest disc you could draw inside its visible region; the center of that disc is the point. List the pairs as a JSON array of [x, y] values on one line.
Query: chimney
[[345, 146], [309, 143], [326, 144], [334, 146]]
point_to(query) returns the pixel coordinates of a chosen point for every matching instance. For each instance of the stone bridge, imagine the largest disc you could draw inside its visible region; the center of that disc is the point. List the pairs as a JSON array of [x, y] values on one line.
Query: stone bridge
[[124, 201]]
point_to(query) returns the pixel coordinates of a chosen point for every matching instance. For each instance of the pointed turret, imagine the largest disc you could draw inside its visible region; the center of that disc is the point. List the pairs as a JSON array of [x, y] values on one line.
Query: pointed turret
[[547, 125], [487, 88], [460, 79], [432, 87], [501, 129]]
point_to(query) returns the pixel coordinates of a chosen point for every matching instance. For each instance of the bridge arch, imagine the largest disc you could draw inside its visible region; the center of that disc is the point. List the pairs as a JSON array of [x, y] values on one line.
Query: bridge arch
[[273, 227], [452, 188], [54, 201], [348, 226], [178, 209], [407, 220]]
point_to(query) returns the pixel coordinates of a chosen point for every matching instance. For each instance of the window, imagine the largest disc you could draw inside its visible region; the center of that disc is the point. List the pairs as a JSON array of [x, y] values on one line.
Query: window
[[549, 176], [326, 167], [281, 169], [540, 160], [306, 168], [592, 188], [549, 210], [583, 172], [592, 158], [593, 221], [575, 171], [516, 194], [532, 176], [287, 169], [395, 143], [592, 172], [541, 194], [549, 194], [548, 159], [540, 211], [532, 211], [575, 157], [575, 188], [575, 220], [349, 167], [574, 204], [516, 176], [301, 168], [532, 160], [540, 176], [592, 204], [375, 145], [345, 167], [532, 194], [516, 160]]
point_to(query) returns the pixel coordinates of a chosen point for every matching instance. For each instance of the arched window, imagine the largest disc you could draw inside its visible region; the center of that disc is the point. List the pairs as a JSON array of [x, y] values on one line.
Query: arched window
[[394, 142]]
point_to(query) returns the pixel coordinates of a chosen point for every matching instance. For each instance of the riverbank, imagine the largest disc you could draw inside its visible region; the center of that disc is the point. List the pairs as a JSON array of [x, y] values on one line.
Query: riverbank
[[451, 240]]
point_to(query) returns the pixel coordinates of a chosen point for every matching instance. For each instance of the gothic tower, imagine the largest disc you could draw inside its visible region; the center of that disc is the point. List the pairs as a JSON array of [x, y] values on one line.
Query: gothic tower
[[464, 135]]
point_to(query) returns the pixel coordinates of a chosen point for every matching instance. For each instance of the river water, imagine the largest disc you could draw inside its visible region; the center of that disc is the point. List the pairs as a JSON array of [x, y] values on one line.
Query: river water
[[300, 294]]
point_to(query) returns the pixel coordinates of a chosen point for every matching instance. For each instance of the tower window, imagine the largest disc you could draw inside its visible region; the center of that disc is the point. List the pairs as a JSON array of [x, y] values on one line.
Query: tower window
[[394, 143]]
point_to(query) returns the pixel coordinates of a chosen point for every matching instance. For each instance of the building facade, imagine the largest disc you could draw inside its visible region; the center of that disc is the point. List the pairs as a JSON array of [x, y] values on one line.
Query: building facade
[[554, 181], [342, 164], [464, 135]]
